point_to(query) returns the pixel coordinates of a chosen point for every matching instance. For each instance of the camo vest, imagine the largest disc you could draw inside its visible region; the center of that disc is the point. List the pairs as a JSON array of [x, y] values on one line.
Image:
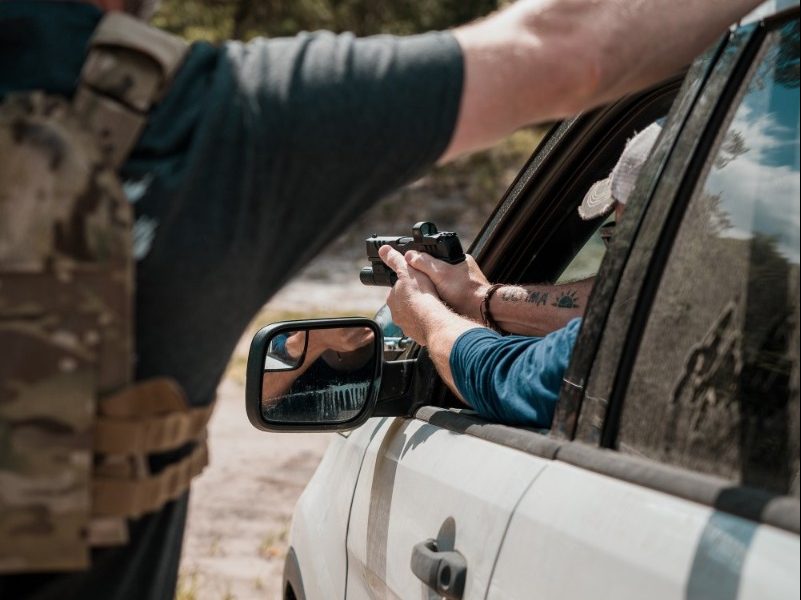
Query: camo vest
[[75, 431]]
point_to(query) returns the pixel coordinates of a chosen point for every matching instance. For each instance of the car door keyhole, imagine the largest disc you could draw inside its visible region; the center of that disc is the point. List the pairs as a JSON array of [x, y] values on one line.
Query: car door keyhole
[[444, 577]]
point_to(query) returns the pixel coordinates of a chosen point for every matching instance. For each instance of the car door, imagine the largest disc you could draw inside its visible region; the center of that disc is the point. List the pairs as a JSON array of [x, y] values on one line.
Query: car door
[[682, 396], [446, 475], [420, 482]]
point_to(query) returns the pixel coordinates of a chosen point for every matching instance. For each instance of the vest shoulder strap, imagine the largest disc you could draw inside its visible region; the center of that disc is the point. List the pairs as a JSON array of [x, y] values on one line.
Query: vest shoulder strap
[[128, 69]]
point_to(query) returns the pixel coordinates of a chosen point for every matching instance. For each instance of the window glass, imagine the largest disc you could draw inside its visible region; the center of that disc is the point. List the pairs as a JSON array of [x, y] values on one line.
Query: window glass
[[588, 260], [715, 384]]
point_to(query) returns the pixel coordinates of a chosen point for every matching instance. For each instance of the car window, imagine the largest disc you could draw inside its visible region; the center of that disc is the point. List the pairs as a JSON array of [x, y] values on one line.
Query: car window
[[588, 260], [715, 386]]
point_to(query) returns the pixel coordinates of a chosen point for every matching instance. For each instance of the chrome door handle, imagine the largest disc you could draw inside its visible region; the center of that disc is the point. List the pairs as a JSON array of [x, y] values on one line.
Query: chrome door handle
[[444, 571]]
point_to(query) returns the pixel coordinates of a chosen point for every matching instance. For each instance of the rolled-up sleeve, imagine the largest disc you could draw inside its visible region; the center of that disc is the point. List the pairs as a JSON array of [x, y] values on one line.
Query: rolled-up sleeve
[[512, 379]]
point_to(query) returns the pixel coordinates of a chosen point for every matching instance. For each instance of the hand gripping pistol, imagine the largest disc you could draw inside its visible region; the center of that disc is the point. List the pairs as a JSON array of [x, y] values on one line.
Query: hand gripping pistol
[[443, 245]]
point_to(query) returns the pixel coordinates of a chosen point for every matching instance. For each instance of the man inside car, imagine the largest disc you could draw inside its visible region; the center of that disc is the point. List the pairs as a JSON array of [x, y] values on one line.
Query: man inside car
[[513, 379]]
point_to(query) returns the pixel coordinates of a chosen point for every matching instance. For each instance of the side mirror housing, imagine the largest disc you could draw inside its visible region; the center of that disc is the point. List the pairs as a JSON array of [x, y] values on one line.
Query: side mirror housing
[[315, 375]]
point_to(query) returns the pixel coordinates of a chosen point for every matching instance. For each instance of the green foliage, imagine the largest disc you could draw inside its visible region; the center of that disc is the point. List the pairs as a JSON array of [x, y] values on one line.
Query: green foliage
[[217, 20]]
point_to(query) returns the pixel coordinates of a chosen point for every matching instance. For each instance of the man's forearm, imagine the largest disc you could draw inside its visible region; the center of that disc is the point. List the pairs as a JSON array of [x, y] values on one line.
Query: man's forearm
[[539, 309], [540, 60], [442, 327], [644, 42]]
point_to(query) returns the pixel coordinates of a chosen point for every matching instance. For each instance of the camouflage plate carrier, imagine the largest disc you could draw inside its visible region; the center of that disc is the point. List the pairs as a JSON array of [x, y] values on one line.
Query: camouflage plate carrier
[[74, 429]]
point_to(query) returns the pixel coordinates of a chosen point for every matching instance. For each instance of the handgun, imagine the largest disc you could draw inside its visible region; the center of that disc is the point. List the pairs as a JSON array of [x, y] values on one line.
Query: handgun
[[444, 245]]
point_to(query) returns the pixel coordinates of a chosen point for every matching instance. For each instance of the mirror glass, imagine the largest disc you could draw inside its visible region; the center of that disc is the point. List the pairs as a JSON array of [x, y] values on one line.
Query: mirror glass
[[325, 375], [280, 358]]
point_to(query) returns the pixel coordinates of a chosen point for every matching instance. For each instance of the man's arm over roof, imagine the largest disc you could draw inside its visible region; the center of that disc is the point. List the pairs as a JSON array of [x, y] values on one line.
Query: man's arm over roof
[[541, 60]]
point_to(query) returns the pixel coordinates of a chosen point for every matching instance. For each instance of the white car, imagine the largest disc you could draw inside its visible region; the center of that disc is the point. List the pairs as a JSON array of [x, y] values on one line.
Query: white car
[[671, 469]]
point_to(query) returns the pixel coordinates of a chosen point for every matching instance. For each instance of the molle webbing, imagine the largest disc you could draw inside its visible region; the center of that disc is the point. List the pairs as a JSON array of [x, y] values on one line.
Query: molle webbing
[[133, 497], [152, 416], [129, 67]]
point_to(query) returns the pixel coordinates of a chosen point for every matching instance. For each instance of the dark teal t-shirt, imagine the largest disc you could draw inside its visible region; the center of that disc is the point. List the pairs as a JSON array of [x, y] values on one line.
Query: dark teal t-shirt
[[259, 155]]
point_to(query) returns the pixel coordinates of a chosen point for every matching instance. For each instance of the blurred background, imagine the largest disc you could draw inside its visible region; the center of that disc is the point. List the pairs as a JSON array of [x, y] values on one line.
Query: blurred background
[[241, 507]]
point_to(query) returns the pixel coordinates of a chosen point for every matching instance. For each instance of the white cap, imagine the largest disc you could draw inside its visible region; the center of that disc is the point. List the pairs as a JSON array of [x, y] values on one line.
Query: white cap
[[600, 199]]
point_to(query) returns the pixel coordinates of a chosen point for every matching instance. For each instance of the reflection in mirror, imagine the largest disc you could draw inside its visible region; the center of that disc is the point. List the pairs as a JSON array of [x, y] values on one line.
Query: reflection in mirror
[[330, 380], [285, 351]]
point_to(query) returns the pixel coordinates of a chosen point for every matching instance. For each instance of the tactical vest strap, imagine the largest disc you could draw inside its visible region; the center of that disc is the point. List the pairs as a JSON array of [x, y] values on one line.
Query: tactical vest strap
[[128, 68], [155, 396], [124, 31], [152, 416], [133, 497]]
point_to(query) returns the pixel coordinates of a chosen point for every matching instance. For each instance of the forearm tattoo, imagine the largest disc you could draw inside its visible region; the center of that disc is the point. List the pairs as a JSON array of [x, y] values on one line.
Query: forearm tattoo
[[566, 299], [514, 294]]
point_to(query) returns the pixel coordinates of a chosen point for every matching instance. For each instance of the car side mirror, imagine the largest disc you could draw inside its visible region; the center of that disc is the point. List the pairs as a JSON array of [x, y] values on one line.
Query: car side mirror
[[317, 375]]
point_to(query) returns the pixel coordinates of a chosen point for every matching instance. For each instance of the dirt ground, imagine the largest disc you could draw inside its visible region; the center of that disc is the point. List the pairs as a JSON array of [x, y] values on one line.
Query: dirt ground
[[241, 507]]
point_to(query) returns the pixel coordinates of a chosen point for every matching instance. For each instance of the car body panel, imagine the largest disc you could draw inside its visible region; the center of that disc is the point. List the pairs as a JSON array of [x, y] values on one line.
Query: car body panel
[[420, 481], [320, 522], [771, 568], [767, 9], [578, 534]]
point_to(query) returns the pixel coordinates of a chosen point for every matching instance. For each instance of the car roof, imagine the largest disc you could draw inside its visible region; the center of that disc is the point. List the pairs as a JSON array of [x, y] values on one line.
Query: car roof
[[766, 9]]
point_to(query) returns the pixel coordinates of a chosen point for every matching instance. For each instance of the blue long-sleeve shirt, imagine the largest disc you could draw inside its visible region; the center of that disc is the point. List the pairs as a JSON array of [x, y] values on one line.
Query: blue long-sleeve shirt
[[513, 379]]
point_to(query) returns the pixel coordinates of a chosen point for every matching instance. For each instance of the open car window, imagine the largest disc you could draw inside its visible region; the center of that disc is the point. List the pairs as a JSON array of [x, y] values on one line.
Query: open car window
[[587, 261], [569, 249]]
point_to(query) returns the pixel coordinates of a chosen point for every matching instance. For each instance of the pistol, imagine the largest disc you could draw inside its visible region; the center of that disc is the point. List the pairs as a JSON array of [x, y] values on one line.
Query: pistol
[[444, 245]]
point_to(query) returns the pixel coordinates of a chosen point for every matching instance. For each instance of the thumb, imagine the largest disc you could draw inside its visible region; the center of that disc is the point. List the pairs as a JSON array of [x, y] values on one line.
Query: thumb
[[392, 258]]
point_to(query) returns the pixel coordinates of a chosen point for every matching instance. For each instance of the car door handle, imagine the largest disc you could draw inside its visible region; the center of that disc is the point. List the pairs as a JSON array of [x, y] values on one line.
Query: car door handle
[[444, 571]]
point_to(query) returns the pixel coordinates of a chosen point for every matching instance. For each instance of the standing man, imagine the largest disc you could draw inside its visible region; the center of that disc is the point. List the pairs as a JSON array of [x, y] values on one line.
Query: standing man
[[258, 154]]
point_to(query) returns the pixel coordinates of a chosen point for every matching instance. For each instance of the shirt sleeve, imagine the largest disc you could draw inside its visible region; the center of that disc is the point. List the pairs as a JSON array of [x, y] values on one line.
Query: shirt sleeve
[[512, 379], [261, 154], [338, 122], [272, 148]]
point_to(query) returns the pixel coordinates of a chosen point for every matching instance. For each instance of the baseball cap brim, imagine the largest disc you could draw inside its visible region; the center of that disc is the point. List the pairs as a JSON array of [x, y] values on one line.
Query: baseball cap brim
[[598, 201]]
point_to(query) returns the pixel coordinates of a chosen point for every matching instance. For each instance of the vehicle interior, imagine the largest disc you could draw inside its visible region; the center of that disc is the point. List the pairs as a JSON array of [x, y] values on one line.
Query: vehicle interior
[[535, 234]]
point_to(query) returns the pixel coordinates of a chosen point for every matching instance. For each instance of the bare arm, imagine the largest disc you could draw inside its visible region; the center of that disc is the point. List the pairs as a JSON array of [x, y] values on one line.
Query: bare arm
[[540, 60], [439, 328], [539, 309], [417, 308], [530, 309]]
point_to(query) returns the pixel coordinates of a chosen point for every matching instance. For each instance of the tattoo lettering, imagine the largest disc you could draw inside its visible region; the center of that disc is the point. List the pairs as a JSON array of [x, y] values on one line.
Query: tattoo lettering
[[537, 298], [567, 300], [513, 295]]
